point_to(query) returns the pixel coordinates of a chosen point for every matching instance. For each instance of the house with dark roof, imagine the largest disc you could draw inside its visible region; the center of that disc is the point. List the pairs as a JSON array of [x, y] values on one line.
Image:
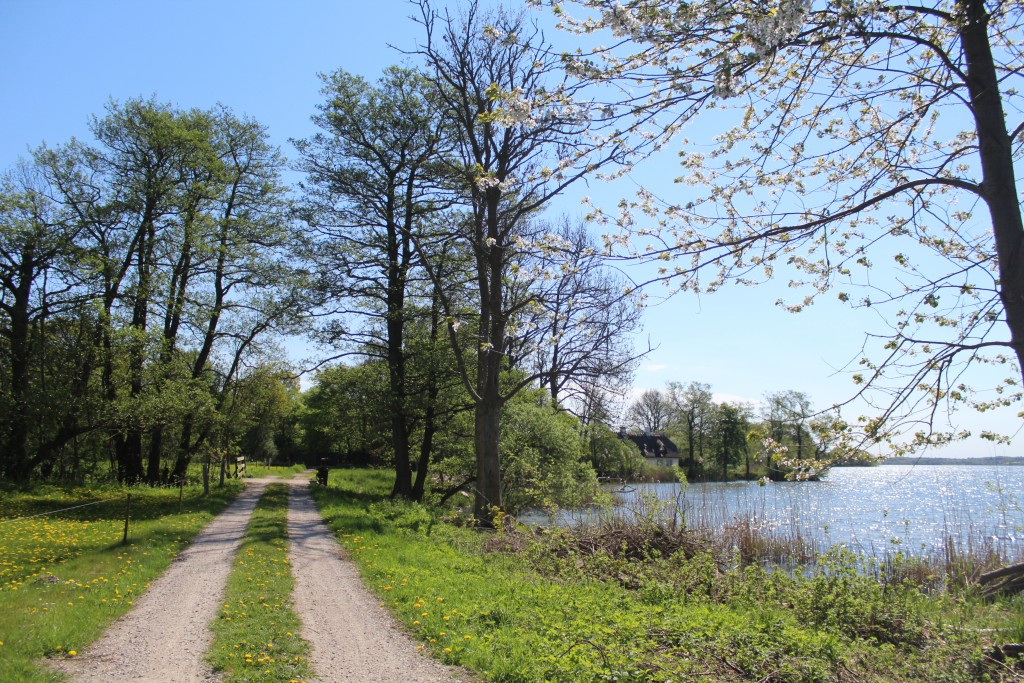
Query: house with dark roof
[[656, 449]]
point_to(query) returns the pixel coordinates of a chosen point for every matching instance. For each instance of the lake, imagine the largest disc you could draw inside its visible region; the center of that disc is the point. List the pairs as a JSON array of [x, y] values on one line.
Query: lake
[[870, 509]]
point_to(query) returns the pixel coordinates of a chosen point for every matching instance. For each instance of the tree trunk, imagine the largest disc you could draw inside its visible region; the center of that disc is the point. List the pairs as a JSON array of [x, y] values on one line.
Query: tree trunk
[[184, 449], [433, 391], [426, 446], [488, 460], [17, 442], [999, 185], [156, 447]]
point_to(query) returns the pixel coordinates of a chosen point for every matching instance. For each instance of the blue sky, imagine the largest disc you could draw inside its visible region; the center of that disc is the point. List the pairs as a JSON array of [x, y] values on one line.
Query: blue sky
[[64, 59]]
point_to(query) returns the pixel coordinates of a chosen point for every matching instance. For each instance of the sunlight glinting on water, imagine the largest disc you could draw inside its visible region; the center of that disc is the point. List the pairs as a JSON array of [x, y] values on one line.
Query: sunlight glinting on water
[[918, 510]]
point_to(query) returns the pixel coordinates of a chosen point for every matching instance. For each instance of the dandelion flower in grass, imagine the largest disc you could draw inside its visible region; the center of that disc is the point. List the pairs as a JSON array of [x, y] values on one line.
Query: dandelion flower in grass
[[447, 649], [72, 653]]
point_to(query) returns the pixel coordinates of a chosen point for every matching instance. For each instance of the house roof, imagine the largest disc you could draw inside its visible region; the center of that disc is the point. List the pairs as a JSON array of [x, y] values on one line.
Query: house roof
[[654, 445]]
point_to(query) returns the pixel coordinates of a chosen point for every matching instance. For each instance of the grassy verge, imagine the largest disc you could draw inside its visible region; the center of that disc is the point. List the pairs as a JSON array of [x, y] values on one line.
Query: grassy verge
[[524, 606], [64, 577], [256, 637]]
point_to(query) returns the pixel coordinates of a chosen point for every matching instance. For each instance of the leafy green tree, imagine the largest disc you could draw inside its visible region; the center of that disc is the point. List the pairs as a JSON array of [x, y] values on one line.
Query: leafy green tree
[[36, 256], [729, 436], [259, 409], [371, 187], [181, 270], [611, 455], [851, 136], [345, 413], [787, 414]]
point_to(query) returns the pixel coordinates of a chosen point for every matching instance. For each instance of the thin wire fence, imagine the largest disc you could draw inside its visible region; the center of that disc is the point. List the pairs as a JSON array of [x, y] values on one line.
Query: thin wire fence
[[54, 512]]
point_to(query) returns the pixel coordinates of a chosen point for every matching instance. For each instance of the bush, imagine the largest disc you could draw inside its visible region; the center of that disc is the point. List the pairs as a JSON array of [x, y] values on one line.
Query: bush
[[545, 462]]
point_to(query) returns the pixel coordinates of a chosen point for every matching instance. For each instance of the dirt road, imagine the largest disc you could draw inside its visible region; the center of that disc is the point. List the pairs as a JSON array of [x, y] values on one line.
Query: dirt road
[[166, 635]]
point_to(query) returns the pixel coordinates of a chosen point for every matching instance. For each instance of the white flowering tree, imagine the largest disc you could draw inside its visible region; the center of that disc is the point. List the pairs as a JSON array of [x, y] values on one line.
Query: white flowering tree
[[852, 134], [520, 139]]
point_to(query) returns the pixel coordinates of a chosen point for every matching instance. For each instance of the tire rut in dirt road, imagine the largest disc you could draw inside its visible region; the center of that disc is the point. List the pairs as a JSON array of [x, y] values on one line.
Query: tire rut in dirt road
[[353, 638], [164, 638]]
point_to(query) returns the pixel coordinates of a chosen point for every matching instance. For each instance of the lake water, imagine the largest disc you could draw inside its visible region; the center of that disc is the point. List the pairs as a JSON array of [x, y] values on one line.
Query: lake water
[[872, 509]]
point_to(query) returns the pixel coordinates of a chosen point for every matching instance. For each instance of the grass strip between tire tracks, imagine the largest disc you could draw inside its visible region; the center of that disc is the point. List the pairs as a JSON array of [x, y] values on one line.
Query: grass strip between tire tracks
[[256, 637]]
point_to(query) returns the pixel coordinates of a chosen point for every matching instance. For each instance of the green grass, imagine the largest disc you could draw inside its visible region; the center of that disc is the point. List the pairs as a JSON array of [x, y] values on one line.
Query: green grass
[[526, 606], [252, 471], [65, 577], [257, 637]]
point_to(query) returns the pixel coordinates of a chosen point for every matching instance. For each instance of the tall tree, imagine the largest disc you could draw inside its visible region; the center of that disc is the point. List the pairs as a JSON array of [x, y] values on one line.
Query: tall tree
[[730, 436], [146, 153], [519, 141], [181, 246], [860, 134], [372, 184], [36, 257], [692, 413], [650, 412], [798, 412]]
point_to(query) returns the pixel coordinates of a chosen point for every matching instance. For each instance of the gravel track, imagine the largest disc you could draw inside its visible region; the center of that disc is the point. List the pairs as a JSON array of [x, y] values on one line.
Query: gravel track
[[164, 638], [352, 637]]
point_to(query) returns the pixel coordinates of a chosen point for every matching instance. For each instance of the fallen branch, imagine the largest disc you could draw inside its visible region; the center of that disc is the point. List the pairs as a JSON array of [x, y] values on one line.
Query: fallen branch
[[1007, 580]]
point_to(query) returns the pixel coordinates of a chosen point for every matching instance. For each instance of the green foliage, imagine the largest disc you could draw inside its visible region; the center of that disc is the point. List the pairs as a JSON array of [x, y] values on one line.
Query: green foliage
[[344, 412], [612, 456], [163, 270], [544, 459]]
